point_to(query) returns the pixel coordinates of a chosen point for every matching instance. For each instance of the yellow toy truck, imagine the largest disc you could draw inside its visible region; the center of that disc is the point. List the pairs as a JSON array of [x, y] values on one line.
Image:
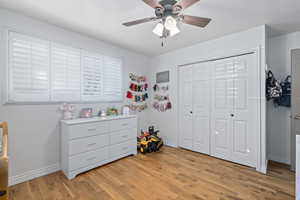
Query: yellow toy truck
[[149, 141]]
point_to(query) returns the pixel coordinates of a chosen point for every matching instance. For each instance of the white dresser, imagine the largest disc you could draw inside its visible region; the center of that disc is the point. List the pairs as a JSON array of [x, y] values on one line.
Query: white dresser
[[89, 143]]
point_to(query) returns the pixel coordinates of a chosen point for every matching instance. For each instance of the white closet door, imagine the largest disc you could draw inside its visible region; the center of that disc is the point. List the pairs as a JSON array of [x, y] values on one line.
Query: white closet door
[[222, 105], [245, 110], [186, 107], [201, 107], [235, 102]]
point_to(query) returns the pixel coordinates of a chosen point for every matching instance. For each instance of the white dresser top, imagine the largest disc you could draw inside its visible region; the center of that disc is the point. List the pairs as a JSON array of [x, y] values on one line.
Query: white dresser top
[[96, 119]]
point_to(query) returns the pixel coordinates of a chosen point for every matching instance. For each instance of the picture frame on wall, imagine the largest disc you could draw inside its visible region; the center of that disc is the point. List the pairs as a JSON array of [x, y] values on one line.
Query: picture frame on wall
[[163, 77]]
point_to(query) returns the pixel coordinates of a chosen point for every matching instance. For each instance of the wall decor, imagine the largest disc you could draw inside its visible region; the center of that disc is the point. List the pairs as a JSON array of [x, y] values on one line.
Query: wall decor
[[163, 77], [161, 99], [137, 93]]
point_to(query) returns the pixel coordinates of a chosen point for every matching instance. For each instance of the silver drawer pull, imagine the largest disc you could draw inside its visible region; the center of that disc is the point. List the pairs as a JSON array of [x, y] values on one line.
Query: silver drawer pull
[[92, 129], [92, 144], [125, 124], [124, 148], [125, 136], [90, 159]]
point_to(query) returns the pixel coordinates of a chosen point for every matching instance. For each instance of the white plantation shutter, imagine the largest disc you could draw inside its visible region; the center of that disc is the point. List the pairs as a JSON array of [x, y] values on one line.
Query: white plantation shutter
[[66, 66], [28, 69], [112, 82], [43, 71], [92, 77]]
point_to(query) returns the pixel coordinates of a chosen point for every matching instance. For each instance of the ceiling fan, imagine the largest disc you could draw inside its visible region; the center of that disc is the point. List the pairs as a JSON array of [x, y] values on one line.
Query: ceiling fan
[[168, 13]]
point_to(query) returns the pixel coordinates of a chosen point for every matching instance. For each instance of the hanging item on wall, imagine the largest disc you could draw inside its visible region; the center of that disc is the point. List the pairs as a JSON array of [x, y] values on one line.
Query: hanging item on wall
[[138, 107], [163, 77], [137, 92], [136, 78], [285, 98], [161, 98], [278, 91], [273, 88], [138, 87], [158, 88]]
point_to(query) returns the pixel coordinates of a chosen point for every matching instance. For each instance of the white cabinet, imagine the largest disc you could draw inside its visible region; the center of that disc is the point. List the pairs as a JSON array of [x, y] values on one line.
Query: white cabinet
[[89, 143], [219, 108]]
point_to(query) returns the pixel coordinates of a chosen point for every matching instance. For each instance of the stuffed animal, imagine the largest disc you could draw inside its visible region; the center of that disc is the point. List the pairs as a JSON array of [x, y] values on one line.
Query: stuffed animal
[[68, 111]]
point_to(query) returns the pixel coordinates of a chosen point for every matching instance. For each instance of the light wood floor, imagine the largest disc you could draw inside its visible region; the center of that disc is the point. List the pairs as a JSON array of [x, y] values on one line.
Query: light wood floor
[[170, 174]]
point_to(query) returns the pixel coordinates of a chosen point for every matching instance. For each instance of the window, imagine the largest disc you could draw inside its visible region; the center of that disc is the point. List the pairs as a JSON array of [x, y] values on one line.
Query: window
[[66, 66], [112, 81], [29, 64], [44, 71], [92, 76]]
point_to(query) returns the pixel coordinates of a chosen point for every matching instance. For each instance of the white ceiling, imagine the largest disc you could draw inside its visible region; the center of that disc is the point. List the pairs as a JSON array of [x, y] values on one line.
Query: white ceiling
[[102, 19]]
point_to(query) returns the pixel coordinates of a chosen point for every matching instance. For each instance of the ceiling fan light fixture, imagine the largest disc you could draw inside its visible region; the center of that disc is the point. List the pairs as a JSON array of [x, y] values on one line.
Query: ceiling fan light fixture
[[174, 31], [170, 23], [159, 29]]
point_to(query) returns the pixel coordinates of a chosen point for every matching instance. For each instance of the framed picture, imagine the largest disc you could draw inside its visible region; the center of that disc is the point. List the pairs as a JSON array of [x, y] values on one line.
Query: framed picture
[[163, 77]]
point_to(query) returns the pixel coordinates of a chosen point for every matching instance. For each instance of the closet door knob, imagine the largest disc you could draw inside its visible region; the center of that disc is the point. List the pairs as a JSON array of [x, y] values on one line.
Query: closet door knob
[[191, 112], [232, 115]]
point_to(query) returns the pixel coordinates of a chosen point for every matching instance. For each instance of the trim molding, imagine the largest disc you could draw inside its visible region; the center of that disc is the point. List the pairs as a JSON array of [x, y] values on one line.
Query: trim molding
[[32, 174], [279, 159], [171, 144]]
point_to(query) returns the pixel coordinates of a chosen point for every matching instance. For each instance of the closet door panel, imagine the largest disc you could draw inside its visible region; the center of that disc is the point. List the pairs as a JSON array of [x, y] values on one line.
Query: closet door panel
[[221, 109], [240, 136], [245, 109], [186, 107], [201, 108]]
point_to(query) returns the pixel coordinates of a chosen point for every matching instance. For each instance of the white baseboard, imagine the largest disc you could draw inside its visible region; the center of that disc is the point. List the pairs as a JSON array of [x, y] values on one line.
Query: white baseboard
[[29, 175], [170, 144], [264, 167], [279, 159]]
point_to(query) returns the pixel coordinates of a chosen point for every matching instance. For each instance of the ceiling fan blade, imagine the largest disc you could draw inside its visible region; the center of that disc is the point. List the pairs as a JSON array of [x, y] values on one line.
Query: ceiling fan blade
[[140, 21], [153, 3], [186, 3], [196, 21]]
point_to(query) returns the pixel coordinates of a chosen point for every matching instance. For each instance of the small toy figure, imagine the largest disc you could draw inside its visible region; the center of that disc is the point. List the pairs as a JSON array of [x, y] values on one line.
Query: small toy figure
[[68, 111], [112, 112]]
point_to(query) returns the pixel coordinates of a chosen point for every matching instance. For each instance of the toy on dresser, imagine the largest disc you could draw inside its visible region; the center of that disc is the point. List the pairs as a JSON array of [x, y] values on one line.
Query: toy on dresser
[[68, 111]]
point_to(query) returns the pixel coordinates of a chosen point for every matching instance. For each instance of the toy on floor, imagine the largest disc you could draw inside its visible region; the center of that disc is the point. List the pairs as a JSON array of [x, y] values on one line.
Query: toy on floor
[[149, 142]]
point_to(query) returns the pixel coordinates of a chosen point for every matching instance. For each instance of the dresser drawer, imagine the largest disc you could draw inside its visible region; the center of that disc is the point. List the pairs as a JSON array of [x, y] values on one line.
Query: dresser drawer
[[87, 144], [122, 148], [89, 158], [122, 136], [116, 125], [90, 129]]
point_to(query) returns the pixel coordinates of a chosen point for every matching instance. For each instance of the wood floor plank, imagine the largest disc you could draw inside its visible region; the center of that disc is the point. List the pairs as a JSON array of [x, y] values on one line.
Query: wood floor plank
[[173, 173]]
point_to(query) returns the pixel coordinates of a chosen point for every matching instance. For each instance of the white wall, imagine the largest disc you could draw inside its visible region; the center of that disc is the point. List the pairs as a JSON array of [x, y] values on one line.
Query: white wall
[[167, 122], [279, 130], [34, 129]]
